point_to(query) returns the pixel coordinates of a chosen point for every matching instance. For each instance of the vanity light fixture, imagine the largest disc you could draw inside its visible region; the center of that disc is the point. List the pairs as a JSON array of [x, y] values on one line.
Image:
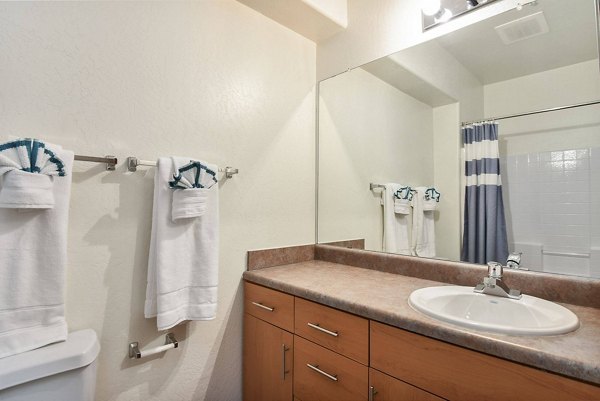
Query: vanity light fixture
[[471, 4], [444, 15], [431, 7]]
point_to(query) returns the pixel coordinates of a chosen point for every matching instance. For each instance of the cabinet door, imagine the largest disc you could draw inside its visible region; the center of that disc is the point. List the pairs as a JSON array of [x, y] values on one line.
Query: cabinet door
[[268, 361], [386, 388]]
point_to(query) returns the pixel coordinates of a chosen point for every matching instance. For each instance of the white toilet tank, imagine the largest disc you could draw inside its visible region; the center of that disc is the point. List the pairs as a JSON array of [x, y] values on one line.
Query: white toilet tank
[[64, 371]]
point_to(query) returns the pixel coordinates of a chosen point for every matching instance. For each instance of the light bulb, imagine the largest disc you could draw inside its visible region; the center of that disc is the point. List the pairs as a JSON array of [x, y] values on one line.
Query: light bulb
[[431, 7], [443, 15]]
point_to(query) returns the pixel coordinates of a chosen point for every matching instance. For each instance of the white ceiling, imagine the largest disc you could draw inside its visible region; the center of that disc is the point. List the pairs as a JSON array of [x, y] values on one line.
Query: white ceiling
[[572, 39], [316, 20]]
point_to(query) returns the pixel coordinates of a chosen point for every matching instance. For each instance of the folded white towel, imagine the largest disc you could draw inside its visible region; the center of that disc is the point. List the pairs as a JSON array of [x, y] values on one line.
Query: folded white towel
[[33, 251], [402, 206], [23, 190], [395, 225], [191, 184], [423, 228], [184, 252], [189, 203], [28, 168]]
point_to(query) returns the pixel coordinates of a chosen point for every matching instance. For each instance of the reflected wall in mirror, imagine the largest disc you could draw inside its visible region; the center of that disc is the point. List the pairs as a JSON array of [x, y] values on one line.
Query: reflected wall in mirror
[[397, 120]]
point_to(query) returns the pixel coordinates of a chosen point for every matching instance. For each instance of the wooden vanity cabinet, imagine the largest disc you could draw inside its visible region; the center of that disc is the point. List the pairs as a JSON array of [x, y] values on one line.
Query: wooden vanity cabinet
[[268, 356], [359, 359], [456, 373]]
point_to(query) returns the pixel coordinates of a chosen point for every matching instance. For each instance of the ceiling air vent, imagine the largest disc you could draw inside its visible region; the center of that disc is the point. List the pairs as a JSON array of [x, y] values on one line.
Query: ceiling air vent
[[523, 28]]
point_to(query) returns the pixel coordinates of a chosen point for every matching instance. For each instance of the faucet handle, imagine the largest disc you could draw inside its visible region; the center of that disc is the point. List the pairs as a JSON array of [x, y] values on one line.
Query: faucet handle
[[514, 260], [495, 270]]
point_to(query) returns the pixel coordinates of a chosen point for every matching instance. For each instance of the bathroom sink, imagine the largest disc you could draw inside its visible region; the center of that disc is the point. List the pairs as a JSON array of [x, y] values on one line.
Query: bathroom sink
[[526, 316]]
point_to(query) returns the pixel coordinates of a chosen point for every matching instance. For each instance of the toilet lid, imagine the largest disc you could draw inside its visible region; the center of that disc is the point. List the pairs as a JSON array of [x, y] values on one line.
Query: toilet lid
[[80, 349]]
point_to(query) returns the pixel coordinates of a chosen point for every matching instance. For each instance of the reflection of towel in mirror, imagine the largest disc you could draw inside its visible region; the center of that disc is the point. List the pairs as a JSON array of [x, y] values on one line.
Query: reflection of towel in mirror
[[184, 253], [395, 225], [33, 257], [423, 230]]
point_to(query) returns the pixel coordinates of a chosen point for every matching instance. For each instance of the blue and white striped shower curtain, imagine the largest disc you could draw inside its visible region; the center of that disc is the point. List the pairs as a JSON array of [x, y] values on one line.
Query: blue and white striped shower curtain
[[484, 236]]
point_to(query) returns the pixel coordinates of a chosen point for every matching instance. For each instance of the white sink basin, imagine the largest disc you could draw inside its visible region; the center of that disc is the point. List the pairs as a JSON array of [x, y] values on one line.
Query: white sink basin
[[527, 316]]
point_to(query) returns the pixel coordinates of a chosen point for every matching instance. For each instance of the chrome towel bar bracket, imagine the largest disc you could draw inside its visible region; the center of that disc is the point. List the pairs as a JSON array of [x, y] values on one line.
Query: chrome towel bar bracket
[[135, 353]]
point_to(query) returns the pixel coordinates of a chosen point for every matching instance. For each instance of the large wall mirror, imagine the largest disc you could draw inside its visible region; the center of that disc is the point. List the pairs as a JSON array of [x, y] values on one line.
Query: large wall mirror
[[391, 134]]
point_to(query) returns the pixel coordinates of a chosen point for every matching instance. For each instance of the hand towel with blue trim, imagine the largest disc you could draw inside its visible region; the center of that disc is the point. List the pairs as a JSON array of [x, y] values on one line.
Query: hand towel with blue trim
[[184, 246], [425, 202], [35, 186], [395, 224]]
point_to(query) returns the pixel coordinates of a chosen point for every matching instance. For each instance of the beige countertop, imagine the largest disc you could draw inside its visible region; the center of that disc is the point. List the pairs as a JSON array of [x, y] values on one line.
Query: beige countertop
[[383, 297]]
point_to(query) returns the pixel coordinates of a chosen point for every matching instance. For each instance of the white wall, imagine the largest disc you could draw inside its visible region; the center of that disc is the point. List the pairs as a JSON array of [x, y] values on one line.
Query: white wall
[[446, 166], [369, 131], [211, 79], [551, 163]]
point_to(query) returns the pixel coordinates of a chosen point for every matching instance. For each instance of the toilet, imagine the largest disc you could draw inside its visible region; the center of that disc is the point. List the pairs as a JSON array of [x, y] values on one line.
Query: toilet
[[64, 371]]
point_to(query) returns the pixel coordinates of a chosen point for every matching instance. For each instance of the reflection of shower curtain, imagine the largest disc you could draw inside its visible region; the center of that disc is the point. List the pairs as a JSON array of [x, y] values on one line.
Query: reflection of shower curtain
[[484, 237]]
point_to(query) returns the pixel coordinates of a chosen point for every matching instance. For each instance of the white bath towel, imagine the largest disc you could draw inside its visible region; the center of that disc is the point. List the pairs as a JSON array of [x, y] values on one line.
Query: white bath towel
[[395, 225], [33, 252], [183, 261], [423, 227]]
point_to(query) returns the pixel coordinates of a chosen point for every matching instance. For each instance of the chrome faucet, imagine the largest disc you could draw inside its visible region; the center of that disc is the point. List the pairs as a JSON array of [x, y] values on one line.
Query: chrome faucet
[[493, 284], [514, 261]]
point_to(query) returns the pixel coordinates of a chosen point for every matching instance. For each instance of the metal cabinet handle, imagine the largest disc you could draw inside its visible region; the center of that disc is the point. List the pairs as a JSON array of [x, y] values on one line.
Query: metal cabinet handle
[[283, 351], [316, 326], [316, 369], [372, 393], [263, 306]]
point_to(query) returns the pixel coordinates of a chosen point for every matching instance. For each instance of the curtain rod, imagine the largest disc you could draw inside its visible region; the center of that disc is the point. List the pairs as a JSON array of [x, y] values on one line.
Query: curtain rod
[[571, 106]]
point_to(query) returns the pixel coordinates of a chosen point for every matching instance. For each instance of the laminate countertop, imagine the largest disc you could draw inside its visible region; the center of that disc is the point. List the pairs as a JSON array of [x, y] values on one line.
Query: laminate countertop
[[384, 296]]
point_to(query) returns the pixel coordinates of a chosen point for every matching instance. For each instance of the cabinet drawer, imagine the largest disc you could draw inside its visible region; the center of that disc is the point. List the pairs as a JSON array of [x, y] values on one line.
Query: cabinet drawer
[[386, 388], [269, 305], [457, 373], [322, 375], [339, 331]]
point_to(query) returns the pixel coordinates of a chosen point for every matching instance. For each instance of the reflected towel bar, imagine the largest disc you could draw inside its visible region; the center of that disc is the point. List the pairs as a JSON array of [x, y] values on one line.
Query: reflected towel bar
[[134, 162], [111, 161], [569, 254], [376, 186]]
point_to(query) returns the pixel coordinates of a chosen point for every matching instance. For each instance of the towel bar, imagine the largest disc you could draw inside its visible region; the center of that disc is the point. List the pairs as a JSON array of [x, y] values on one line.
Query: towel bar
[[135, 353], [111, 161], [134, 162]]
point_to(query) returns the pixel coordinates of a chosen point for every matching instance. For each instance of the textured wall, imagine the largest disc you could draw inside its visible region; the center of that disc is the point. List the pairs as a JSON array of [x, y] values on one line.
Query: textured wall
[[210, 79]]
